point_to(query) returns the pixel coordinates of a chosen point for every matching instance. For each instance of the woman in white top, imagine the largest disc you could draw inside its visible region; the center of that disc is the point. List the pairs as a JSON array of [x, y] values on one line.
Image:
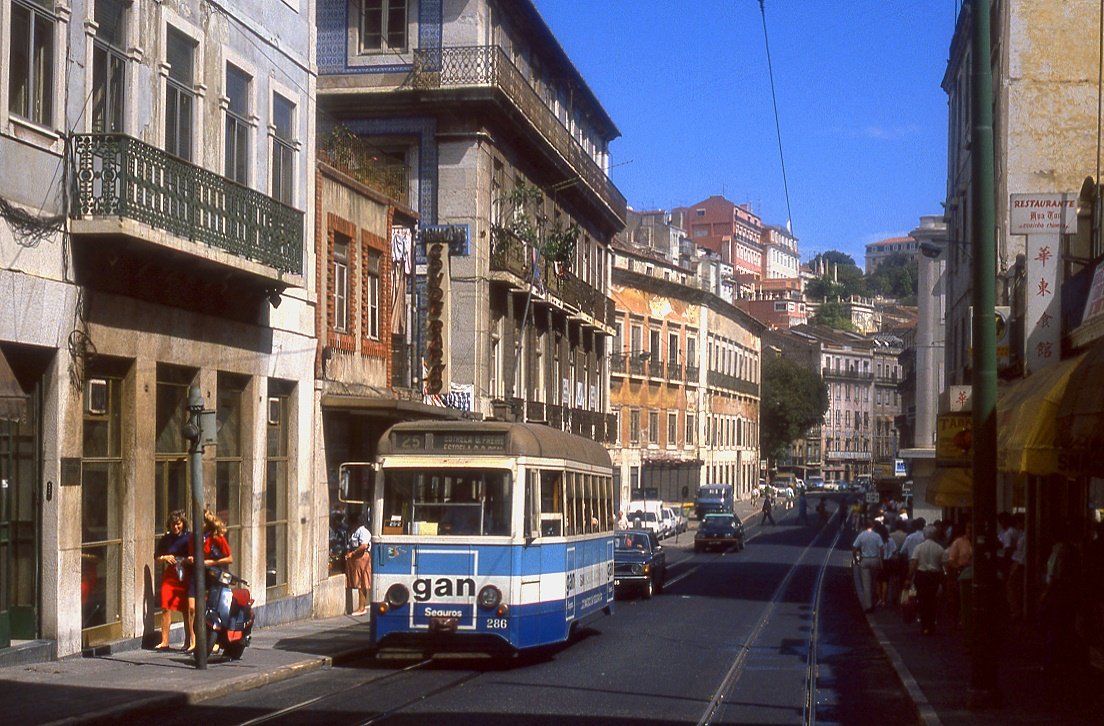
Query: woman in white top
[[358, 566]]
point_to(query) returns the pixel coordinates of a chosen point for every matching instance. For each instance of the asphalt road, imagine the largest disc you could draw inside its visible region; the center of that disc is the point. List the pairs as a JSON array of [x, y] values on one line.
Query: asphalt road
[[770, 635]]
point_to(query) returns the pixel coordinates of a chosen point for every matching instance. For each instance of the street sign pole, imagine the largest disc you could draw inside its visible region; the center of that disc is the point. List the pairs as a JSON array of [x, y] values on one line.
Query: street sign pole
[[984, 650]]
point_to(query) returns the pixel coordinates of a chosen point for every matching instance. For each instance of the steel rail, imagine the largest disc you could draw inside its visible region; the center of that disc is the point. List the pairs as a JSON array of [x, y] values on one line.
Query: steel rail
[[736, 670]]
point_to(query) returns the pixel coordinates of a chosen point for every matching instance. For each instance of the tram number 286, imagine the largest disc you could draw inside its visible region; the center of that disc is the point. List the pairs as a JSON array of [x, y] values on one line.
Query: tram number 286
[[496, 623]]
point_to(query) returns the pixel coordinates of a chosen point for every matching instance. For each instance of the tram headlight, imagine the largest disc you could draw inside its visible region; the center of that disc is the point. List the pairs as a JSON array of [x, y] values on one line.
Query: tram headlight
[[397, 596], [489, 597]]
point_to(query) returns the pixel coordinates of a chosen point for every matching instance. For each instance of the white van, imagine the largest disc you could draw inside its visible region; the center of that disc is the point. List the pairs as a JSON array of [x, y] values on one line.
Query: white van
[[646, 514]]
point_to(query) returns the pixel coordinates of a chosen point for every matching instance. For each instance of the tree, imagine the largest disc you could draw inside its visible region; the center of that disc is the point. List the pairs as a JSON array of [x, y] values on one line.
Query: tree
[[895, 277], [833, 314], [794, 399]]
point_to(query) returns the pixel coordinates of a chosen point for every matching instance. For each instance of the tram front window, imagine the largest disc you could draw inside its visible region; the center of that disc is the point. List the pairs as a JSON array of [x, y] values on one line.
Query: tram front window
[[460, 502]]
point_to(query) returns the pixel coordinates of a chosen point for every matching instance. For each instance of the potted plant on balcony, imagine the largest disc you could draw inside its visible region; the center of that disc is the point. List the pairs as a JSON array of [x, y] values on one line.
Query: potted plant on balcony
[[524, 219]]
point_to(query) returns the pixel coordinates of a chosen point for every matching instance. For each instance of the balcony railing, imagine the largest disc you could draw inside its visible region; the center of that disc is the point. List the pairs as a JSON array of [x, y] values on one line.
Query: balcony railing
[[674, 371], [348, 153], [120, 176], [722, 380], [489, 66], [510, 254], [848, 374], [692, 374]]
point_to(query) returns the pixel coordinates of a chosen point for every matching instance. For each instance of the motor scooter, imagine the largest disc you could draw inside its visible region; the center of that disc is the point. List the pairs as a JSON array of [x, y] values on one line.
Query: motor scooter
[[229, 614]]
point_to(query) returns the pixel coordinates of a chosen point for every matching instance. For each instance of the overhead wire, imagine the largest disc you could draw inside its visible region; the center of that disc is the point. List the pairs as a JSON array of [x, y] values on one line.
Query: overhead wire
[[777, 124]]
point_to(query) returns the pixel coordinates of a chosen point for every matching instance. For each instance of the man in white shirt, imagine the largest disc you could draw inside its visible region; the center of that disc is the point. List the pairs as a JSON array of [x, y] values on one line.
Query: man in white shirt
[[868, 550], [926, 572]]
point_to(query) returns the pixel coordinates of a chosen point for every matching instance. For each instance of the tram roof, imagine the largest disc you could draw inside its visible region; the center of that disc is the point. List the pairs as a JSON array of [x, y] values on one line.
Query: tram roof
[[493, 437]]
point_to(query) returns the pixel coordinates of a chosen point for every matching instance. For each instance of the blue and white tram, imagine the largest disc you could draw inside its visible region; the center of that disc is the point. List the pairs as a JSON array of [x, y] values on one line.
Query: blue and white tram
[[489, 531]]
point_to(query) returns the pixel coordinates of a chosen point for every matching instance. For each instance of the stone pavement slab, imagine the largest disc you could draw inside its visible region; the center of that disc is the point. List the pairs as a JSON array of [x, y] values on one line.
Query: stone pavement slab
[[136, 685]]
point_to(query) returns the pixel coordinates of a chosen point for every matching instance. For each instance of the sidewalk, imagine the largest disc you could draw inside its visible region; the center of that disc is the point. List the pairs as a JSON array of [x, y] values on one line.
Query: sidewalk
[[136, 685], [936, 672]]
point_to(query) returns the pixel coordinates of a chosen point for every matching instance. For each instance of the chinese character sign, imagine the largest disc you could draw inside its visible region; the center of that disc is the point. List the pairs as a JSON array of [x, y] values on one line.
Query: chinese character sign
[[1043, 218]]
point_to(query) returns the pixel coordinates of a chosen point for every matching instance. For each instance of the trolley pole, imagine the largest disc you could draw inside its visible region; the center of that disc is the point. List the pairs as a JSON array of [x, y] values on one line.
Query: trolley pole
[[984, 650], [199, 431]]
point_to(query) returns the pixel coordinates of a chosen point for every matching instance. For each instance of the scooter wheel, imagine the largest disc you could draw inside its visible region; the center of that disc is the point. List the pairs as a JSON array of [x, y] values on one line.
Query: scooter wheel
[[235, 650], [212, 639]]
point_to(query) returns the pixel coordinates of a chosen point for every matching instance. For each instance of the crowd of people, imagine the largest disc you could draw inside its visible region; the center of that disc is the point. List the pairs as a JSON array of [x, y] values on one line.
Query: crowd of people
[[925, 571]]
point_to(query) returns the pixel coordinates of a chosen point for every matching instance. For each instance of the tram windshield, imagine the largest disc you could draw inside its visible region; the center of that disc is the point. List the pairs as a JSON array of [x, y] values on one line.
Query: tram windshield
[[446, 501]]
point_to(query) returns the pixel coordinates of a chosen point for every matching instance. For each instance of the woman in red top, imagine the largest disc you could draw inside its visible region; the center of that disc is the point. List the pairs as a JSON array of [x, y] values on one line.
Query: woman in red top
[[216, 551]]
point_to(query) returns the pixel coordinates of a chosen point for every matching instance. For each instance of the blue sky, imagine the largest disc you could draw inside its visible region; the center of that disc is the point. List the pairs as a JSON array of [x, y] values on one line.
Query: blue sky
[[862, 114]]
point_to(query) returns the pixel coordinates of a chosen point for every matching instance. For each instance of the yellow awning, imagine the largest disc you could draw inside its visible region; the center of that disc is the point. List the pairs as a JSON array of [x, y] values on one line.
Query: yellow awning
[[1027, 414], [952, 486]]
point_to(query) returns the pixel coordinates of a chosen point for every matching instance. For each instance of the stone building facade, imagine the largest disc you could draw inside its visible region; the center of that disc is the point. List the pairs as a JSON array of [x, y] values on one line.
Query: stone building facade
[[156, 183]]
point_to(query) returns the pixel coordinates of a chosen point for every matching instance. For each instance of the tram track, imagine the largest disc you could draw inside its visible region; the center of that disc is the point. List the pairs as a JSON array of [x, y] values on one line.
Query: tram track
[[716, 703], [294, 713]]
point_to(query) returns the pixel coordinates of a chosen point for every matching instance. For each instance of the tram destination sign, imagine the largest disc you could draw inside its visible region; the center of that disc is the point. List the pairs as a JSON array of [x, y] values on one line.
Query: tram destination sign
[[453, 443]]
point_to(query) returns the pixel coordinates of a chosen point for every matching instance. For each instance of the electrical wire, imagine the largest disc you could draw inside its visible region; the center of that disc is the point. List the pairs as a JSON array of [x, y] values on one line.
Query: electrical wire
[[777, 125]]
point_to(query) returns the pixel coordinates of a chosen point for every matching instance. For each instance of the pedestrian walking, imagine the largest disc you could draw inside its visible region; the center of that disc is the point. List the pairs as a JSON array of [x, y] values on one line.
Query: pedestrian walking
[[768, 505], [926, 574], [802, 508], [868, 549]]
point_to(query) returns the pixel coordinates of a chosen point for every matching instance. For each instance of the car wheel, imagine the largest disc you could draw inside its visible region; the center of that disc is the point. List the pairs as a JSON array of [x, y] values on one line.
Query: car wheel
[[660, 583], [649, 589]]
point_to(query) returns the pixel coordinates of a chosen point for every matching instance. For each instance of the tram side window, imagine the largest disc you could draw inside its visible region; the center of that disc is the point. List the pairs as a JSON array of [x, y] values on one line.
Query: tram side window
[[551, 503], [446, 502]]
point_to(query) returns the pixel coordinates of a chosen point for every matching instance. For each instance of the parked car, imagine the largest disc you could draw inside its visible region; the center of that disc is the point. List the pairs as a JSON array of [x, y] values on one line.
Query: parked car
[[815, 483], [669, 522], [639, 563], [682, 522], [723, 531]]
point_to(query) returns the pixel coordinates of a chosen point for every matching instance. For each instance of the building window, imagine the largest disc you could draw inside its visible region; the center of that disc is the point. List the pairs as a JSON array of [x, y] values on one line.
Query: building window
[[171, 471], [228, 455], [276, 488], [382, 25], [653, 427], [101, 513], [691, 434], [672, 428], [283, 150], [179, 94], [672, 348], [31, 66], [109, 67], [372, 293], [634, 426], [341, 282], [237, 125]]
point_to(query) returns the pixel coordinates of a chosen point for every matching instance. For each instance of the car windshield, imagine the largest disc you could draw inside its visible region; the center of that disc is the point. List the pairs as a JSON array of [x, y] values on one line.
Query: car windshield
[[633, 541], [716, 522]]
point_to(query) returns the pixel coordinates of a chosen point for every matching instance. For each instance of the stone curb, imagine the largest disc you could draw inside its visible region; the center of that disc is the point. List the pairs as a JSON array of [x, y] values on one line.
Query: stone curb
[[150, 708]]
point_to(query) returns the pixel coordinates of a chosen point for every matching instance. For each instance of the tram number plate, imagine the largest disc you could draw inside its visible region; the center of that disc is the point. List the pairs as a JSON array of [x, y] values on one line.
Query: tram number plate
[[496, 623], [616, 583]]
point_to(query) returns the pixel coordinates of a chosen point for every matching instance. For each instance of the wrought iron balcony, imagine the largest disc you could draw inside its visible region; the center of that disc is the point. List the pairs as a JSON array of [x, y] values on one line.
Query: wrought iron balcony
[[510, 254], [674, 371], [489, 66], [351, 155], [119, 176], [851, 374]]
